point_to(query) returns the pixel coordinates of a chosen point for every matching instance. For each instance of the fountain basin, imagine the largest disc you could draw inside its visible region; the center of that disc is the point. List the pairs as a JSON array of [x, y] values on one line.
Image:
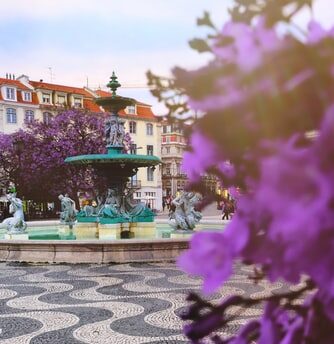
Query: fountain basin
[[155, 249]]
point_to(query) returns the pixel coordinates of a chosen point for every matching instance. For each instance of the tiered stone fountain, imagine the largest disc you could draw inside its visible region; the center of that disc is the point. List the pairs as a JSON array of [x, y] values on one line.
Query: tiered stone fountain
[[117, 216]]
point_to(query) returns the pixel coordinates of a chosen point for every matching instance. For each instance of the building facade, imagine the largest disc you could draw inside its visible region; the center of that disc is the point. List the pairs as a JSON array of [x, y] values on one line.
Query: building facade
[[23, 100], [173, 144]]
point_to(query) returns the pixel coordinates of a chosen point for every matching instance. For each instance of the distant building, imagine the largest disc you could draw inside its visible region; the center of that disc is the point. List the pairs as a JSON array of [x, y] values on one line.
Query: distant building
[[18, 104], [23, 100], [173, 144]]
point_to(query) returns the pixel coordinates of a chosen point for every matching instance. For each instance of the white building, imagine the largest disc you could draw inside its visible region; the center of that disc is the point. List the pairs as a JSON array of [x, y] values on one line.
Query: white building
[[23, 100]]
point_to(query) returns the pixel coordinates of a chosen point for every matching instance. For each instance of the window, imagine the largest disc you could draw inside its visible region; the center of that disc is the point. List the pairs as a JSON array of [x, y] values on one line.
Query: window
[[27, 96], [138, 194], [150, 174], [77, 102], [149, 129], [168, 166], [131, 110], [10, 93], [132, 127], [29, 116], [133, 148], [61, 100], [149, 149], [167, 150], [46, 98], [11, 115], [47, 117]]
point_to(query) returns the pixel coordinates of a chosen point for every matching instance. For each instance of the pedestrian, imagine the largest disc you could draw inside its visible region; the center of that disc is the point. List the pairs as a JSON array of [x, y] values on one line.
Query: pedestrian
[[226, 210], [163, 204], [168, 203]]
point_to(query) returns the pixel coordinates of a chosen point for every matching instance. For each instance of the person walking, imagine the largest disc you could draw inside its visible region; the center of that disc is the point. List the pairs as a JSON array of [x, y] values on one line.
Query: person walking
[[225, 210]]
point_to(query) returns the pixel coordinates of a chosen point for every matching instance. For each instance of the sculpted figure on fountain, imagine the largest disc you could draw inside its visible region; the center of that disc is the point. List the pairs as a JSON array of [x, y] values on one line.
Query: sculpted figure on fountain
[[16, 223], [185, 217]]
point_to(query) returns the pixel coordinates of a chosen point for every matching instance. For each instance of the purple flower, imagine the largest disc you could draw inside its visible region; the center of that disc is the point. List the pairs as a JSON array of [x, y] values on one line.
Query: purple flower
[[217, 250], [247, 44], [211, 248], [298, 79], [317, 33], [203, 154]]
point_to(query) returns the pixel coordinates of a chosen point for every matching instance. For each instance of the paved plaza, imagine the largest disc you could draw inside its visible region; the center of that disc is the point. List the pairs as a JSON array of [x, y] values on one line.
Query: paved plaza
[[127, 303]]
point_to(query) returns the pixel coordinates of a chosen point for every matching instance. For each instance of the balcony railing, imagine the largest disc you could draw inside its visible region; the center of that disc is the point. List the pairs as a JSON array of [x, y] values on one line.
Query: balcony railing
[[167, 174], [133, 184]]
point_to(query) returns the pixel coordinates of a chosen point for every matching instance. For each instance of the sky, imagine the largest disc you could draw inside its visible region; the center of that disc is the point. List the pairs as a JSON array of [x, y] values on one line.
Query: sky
[[75, 42]]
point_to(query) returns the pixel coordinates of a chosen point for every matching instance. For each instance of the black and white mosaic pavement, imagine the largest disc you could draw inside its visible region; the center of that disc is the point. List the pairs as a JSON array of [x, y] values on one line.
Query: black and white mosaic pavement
[[118, 304]]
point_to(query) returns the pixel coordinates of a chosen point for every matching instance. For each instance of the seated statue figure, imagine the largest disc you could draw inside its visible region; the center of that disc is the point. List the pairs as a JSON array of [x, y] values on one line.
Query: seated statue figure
[[185, 217], [112, 205], [16, 223], [68, 212], [192, 216], [136, 209]]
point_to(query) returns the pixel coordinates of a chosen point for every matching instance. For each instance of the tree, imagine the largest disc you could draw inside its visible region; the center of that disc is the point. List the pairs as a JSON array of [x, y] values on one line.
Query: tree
[[39, 170], [259, 98]]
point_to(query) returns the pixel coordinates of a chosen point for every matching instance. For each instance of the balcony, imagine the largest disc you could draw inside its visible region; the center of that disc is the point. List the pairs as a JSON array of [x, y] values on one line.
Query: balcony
[[168, 174], [133, 184]]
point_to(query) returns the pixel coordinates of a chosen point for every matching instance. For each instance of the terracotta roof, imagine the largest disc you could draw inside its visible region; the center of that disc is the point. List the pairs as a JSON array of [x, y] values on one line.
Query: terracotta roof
[[143, 104], [15, 83], [102, 93], [90, 105], [34, 98], [60, 88], [20, 87]]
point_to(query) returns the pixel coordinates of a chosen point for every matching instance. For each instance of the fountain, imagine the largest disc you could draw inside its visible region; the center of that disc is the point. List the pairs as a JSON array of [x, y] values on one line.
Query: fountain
[[88, 236], [118, 216]]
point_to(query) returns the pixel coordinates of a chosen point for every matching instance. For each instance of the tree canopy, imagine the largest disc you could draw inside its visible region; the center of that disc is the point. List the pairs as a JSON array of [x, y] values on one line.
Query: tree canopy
[[33, 158]]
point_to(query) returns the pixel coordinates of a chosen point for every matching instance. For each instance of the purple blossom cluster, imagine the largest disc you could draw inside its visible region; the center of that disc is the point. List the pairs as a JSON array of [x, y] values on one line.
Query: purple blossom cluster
[[262, 94], [39, 169]]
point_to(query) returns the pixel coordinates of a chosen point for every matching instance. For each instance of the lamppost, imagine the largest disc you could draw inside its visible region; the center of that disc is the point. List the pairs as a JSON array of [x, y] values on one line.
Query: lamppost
[[18, 145], [174, 178]]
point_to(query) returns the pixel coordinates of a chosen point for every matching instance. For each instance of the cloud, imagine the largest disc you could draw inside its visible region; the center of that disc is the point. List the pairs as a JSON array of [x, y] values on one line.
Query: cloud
[[51, 9], [86, 38]]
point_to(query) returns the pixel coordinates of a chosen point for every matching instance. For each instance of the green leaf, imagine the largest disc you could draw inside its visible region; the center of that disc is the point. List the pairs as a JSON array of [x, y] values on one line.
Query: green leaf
[[205, 20], [200, 45]]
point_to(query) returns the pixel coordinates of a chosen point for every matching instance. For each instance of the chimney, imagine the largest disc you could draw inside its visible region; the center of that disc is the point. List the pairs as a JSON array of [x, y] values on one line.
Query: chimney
[[40, 80]]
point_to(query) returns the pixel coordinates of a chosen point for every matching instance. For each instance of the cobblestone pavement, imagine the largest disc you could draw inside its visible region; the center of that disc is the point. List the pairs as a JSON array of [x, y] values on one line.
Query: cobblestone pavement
[[127, 303]]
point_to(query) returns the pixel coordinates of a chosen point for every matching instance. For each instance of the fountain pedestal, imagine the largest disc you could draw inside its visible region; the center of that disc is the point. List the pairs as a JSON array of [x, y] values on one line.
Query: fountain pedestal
[[109, 231], [16, 236], [181, 234], [143, 230], [86, 230]]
